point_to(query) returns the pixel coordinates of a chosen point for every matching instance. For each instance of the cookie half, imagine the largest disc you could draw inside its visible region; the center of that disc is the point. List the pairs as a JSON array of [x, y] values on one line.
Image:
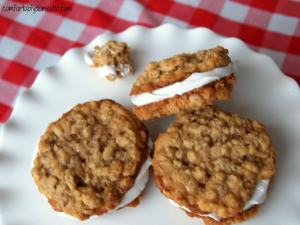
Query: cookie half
[[214, 165], [111, 60], [185, 81], [93, 160]]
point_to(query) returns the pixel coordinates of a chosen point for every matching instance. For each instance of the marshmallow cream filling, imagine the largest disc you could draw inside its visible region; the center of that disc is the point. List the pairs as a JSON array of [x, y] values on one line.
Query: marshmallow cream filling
[[258, 197], [195, 80], [139, 183], [103, 71]]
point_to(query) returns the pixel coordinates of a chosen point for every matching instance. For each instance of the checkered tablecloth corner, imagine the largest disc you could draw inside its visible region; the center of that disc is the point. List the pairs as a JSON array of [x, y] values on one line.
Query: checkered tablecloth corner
[[32, 40]]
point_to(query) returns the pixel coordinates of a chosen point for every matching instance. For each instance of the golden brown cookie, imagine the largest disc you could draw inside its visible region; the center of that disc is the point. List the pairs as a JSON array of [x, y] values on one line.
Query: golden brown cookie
[[185, 81], [210, 161], [112, 60], [89, 159]]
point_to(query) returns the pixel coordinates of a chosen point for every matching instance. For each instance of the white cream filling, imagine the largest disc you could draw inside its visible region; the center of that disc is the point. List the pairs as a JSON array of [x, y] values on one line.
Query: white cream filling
[[103, 71], [258, 197], [106, 70], [195, 80], [139, 185], [135, 191]]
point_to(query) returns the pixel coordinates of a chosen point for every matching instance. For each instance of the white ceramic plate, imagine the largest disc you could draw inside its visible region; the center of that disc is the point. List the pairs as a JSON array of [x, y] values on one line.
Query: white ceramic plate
[[262, 92]]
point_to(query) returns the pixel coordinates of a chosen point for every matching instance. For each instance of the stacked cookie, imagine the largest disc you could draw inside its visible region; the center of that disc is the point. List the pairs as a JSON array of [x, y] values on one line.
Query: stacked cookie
[[93, 160], [183, 82], [212, 164]]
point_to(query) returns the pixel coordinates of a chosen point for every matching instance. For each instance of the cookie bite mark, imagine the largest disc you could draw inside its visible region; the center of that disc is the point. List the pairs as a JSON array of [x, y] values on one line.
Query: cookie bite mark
[[112, 60], [214, 165], [184, 81], [93, 160]]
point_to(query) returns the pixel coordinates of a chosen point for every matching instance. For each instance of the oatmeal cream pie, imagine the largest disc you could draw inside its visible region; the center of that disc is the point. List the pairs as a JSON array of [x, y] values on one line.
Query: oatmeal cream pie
[[185, 81], [214, 165], [112, 60], [93, 160]]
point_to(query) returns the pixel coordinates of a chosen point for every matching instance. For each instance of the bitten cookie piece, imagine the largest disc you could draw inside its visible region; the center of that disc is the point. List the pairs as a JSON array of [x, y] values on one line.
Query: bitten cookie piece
[[92, 160], [185, 81], [214, 165], [111, 60]]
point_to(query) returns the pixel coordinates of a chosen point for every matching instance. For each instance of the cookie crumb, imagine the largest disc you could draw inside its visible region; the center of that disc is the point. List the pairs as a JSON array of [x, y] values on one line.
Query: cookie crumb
[[112, 60]]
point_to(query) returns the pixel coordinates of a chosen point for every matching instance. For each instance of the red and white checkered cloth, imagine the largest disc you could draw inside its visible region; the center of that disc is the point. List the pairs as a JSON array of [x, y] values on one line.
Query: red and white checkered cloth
[[32, 41]]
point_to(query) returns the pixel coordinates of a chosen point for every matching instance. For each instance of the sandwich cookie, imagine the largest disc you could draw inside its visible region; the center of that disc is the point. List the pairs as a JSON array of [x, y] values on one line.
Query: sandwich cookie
[[214, 165], [185, 81], [93, 160]]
